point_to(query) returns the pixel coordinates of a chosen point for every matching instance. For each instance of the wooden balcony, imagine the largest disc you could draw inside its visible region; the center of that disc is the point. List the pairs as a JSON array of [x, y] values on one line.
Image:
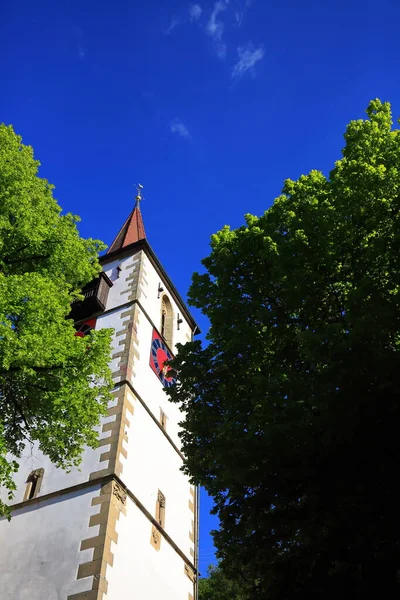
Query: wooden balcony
[[95, 298]]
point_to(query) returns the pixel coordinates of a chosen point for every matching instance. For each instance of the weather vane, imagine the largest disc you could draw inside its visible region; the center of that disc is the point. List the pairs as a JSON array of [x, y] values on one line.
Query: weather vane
[[139, 193]]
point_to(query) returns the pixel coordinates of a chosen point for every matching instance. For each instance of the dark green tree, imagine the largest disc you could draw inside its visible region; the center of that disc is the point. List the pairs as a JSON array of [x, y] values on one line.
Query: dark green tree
[[292, 410], [217, 586], [53, 386]]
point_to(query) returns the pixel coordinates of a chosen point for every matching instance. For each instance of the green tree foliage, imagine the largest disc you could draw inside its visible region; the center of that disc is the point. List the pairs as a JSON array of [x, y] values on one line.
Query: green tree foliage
[[292, 410], [53, 385], [217, 586]]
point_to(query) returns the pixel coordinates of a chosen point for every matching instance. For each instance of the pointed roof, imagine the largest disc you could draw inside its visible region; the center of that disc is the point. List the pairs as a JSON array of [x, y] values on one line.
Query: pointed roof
[[132, 238], [131, 231]]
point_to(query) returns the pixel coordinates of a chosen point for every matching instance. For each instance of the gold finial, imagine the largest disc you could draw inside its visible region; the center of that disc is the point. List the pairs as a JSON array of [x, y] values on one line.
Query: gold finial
[[139, 193]]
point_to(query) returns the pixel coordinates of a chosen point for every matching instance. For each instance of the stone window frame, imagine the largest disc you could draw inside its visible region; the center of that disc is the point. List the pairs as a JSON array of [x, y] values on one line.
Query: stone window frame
[[166, 320], [163, 419], [160, 509], [33, 484]]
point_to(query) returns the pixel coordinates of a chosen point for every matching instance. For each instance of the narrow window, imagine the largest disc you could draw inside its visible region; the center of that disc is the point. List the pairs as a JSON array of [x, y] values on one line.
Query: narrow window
[[160, 509], [155, 539], [163, 419], [33, 484], [166, 320], [163, 318]]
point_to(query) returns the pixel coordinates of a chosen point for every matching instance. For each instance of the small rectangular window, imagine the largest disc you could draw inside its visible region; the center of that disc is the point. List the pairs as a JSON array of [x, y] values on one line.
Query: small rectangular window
[[33, 484], [160, 509], [155, 539], [163, 419]]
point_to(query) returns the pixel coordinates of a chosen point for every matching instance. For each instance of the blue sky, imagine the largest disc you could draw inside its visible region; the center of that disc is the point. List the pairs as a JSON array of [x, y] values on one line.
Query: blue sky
[[209, 105]]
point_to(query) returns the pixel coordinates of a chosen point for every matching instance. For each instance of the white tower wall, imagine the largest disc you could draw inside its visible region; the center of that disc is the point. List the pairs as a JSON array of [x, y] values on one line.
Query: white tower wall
[[94, 533]]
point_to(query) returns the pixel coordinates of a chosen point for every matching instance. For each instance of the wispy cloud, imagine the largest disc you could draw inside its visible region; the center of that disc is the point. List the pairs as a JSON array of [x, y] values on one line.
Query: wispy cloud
[[248, 56], [174, 22], [240, 9], [215, 27], [78, 33], [179, 128], [195, 12]]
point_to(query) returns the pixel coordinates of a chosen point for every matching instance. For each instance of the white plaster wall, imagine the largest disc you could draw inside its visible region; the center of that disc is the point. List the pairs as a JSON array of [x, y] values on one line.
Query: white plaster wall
[[145, 381], [54, 479], [40, 558], [153, 464], [118, 292], [113, 320], [32, 458], [148, 385], [148, 295], [139, 571], [152, 304]]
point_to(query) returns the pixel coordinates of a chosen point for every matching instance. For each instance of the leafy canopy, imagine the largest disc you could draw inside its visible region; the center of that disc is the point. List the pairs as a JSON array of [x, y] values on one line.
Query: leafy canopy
[[292, 409], [53, 385], [217, 586]]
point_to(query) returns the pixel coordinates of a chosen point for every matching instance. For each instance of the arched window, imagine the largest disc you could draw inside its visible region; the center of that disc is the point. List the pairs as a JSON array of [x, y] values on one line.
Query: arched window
[[33, 484], [166, 320]]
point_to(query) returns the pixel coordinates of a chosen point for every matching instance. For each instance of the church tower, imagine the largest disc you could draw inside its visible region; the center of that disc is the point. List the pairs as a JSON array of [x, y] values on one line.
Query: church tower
[[124, 525]]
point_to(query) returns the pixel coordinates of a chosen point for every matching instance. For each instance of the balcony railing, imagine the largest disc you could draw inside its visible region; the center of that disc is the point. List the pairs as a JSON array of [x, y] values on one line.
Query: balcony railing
[[95, 298]]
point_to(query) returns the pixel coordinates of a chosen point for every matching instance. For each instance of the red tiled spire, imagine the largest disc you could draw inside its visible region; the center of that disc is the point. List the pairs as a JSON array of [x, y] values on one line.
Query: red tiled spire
[[132, 230]]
